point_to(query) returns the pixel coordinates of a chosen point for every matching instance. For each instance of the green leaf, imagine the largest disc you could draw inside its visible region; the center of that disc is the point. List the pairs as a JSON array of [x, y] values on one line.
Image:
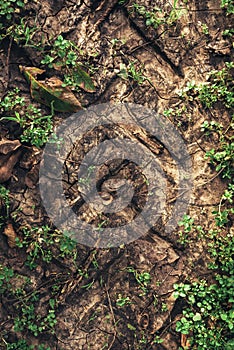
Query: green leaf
[[229, 345], [131, 327], [50, 92], [83, 80], [197, 317]]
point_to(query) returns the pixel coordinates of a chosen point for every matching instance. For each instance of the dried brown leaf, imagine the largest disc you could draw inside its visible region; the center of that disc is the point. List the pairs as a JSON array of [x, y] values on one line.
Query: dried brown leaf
[[31, 178], [11, 235], [7, 163], [7, 146], [185, 342]]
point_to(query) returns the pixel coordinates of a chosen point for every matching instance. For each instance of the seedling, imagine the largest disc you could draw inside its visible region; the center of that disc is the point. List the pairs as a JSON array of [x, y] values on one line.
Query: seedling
[[228, 32], [29, 320], [5, 276], [86, 180], [4, 198], [217, 89], [11, 101], [158, 340], [23, 345], [132, 72], [36, 127], [156, 17], [204, 28], [209, 127], [188, 225], [228, 6], [64, 55], [143, 279], [9, 7], [100, 225], [44, 243], [9, 10], [122, 301], [208, 319], [222, 158]]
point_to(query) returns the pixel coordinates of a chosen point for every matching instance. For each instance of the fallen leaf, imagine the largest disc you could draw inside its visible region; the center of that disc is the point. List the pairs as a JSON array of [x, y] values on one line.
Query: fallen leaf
[[31, 156], [50, 91], [30, 72], [83, 80], [7, 146], [9, 155], [11, 235], [31, 178], [184, 341]]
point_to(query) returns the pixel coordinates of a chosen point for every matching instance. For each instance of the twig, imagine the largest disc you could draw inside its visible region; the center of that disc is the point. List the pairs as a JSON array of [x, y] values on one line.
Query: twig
[[7, 61], [113, 317], [73, 283]]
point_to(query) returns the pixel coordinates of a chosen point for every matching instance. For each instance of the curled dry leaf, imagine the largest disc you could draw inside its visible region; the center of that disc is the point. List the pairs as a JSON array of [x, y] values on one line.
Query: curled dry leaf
[[7, 146], [11, 235], [50, 92], [31, 156], [31, 178], [144, 321], [185, 342], [10, 152]]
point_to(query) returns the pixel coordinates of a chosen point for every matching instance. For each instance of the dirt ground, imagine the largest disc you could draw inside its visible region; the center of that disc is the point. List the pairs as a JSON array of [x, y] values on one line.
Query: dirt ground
[[111, 34]]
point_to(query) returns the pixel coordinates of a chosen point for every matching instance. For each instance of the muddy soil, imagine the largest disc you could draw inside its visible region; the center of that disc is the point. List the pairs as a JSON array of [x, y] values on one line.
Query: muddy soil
[[112, 35]]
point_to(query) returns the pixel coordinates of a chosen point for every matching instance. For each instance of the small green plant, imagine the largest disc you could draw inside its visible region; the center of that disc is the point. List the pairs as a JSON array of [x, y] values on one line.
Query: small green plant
[[133, 72], [122, 2], [63, 53], [188, 225], [221, 216], [36, 128], [204, 28], [65, 56], [142, 278], [122, 301], [11, 101], [37, 240], [4, 197], [5, 276], [67, 246], [218, 88], [136, 73], [44, 243], [33, 322], [228, 194], [10, 10], [208, 316], [158, 340], [22, 34], [221, 249], [4, 205], [228, 32], [228, 6], [178, 113], [208, 320], [9, 7], [20, 345], [210, 127], [86, 180], [222, 158], [152, 18], [164, 307], [156, 17]]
